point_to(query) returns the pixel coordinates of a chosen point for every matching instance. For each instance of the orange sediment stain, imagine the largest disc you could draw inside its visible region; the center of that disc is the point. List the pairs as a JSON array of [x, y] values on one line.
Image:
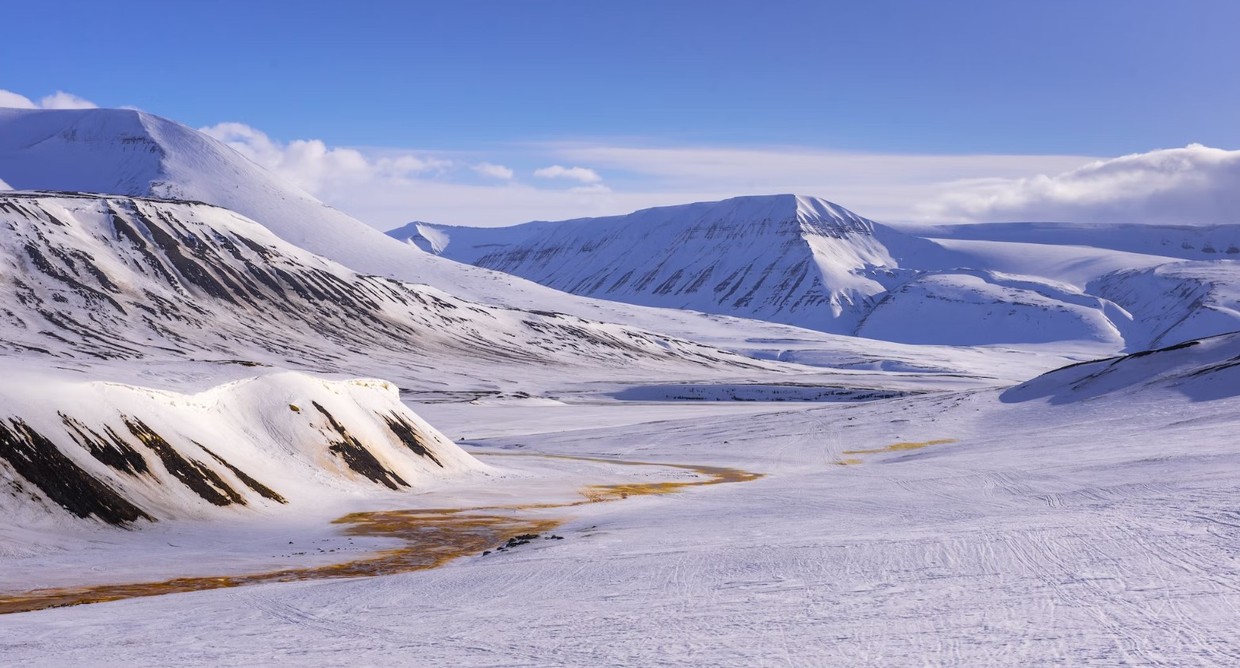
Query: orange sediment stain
[[433, 537], [710, 475], [896, 447]]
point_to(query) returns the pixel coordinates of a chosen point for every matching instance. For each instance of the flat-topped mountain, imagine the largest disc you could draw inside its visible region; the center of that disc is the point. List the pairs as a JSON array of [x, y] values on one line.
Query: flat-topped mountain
[[807, 262], [785, 258]]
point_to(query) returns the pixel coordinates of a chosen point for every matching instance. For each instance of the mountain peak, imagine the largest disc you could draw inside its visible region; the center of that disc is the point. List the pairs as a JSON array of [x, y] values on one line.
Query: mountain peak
[[91, 150], [134, 153], [770, 207], [421, 234], [805, 214], [785, 257]]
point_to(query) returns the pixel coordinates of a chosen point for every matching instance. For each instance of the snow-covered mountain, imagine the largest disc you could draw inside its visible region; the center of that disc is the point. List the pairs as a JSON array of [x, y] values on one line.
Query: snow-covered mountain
[[810, 263], [788, 259], [124, 278], [128, 152]]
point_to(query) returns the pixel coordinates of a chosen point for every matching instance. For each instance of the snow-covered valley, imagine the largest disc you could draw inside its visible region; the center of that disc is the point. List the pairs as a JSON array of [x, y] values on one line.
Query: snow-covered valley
[[1096, 532], [238, 426]]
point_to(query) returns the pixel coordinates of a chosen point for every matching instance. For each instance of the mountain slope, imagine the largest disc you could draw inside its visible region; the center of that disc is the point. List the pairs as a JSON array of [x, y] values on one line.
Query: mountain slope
[[971, 307], [129, 152], [1175, 301], [117, 278], [790, 259]]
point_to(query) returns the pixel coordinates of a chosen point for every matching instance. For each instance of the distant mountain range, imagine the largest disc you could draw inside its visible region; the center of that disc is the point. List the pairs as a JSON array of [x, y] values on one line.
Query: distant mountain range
[[810, 263]]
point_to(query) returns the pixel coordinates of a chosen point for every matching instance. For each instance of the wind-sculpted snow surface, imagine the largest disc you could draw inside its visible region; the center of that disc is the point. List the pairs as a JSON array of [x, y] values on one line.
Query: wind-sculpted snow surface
[[944, 529], [121, 454]]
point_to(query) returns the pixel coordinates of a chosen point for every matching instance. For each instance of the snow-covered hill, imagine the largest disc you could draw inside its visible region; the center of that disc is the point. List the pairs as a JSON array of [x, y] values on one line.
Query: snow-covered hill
[[1176, 301], [1188, 242], [810, 263], [1200, 369], [121, 454]]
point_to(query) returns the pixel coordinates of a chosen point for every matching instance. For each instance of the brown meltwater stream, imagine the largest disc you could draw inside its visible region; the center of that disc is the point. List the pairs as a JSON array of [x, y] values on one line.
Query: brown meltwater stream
[[432, 537]]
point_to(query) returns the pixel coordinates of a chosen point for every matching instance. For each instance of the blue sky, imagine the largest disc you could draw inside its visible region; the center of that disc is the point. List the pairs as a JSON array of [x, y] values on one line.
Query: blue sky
[[523, 85]]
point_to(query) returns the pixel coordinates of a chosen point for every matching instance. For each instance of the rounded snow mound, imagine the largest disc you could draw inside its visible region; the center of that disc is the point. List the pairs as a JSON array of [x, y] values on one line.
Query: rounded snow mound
[[121, 453]]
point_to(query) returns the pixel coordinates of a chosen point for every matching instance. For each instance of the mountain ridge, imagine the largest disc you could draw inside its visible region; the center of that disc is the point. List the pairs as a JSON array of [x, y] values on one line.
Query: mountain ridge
[[189, 165], [807, 262], [825, 237]]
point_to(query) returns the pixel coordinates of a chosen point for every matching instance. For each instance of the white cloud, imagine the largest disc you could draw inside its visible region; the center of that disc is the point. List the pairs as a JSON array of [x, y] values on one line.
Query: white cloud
[[592, 188], [494, 171], [453, 203], [63, 100], [10, 99], [313, 166], [580, 174], [387, 188], [1191, 185], [889, 187], [57, 100]]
